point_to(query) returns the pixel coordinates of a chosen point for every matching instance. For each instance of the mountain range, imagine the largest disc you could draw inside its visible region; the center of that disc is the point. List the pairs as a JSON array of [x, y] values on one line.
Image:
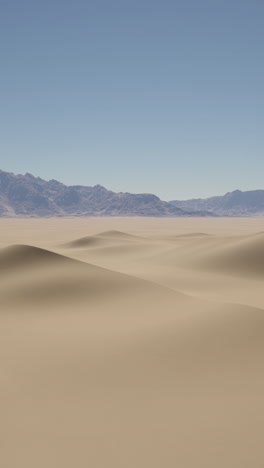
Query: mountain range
[[237, 203], [26, 195]]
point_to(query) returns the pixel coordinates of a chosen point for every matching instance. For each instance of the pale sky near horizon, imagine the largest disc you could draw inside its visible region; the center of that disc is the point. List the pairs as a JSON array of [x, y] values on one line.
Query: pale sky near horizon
[[159, 96]]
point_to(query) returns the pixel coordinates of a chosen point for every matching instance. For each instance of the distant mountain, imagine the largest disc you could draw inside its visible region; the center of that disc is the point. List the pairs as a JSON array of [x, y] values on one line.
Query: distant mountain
[[237, 203], [26, 195]]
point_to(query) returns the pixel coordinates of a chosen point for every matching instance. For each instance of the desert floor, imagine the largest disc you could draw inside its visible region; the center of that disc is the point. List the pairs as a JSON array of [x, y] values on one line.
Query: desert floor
[[132, 343]]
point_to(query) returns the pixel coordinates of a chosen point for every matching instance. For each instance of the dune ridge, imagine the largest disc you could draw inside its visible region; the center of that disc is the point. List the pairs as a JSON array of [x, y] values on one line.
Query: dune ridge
[[25, 256]]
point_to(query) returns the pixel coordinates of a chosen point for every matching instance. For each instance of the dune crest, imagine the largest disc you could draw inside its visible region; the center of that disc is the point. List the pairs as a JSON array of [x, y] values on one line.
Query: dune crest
[[117, 235], [102, 239], [25, 256]]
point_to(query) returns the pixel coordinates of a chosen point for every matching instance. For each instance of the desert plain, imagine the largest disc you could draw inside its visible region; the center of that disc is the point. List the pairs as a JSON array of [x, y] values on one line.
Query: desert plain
[[132, 343]]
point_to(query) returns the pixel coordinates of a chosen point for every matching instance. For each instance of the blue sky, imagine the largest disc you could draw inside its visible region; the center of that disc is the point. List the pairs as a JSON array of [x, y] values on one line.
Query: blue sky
[[159, 96]]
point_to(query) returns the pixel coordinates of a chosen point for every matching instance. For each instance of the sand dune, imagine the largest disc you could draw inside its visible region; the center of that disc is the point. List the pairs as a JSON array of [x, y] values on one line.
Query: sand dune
[[26, 256], [103, 239], [117, 235], [88, 241], [41, 276], [131, 350], [189, 234], [245, 257], [235, 255]]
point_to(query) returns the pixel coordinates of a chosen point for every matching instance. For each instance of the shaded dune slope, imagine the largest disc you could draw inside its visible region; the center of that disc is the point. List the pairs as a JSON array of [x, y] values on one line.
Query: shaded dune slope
[[190, 235], [84, 242], [236, 256], [129, 252], [34, 274], [245, 257], [26, 256]]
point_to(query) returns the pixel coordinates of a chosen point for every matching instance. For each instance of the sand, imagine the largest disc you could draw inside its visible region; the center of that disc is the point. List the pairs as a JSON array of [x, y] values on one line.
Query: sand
[[132, 343]]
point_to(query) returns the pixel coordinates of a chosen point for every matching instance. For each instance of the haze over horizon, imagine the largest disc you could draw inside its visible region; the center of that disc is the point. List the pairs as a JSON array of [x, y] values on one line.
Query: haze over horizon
[[137, 96]]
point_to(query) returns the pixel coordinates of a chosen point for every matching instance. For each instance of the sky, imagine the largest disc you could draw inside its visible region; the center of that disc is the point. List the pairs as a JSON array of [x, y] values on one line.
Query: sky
[[158, 96]]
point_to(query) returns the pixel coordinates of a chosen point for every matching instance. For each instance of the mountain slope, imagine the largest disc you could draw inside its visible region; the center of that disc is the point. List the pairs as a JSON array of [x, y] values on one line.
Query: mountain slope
[[235, 203], [26, 195]]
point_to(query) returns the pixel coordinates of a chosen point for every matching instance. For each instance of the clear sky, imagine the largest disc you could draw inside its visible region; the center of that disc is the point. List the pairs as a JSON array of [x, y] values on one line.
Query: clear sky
[[160, 96]]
